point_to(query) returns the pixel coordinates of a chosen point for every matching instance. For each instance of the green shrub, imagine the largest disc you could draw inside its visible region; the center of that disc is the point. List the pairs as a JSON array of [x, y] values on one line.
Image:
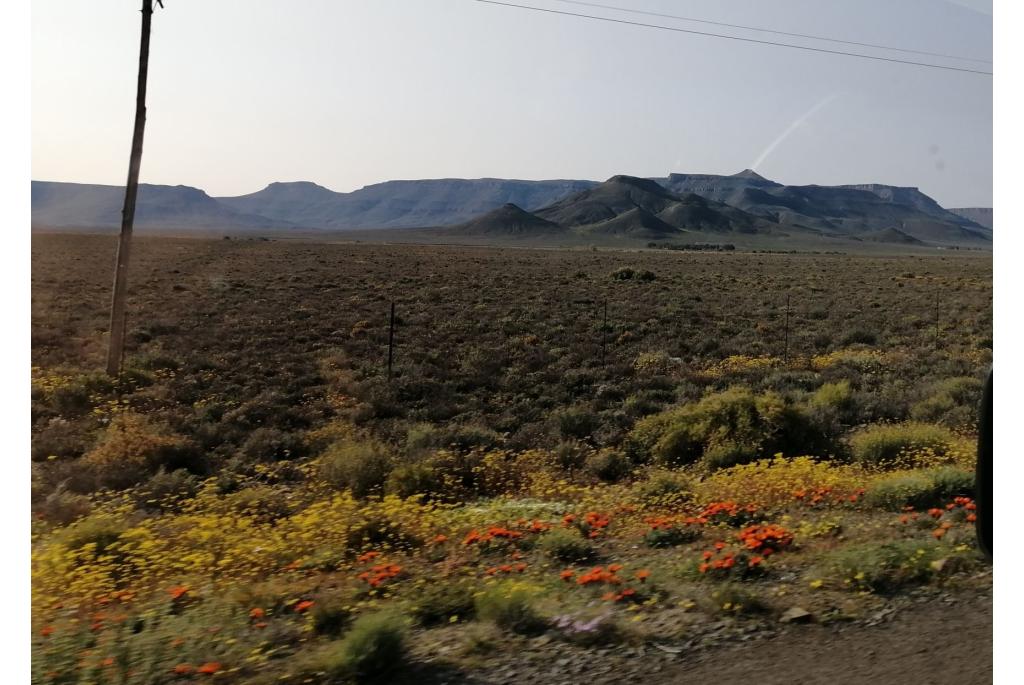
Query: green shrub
[[510, 606], [728, 428], [466, 438], [99, 530], [883, 568], [134, 447], [272, 444], [166, 488], [672, 535], [566, 544], [577, 423], [62, 507], [920, 489], [953, 402], [609, 465], [419, 478], [261, 502], [836, 398], [731, 598], [888, 445], [361, 466], [444, 602], [330, 616], [665, 487], [372, 650]]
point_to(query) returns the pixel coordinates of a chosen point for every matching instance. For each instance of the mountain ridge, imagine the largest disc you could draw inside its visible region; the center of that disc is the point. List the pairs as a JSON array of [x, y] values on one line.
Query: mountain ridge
[[745, 202]]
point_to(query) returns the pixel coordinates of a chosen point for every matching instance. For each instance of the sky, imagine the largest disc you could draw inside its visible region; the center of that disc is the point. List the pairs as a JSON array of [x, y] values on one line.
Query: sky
[[347, 93]]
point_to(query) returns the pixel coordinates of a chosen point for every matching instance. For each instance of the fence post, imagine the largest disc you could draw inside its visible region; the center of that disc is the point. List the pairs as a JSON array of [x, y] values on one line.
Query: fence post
[[604, 332], [785, 353], [391, 340]]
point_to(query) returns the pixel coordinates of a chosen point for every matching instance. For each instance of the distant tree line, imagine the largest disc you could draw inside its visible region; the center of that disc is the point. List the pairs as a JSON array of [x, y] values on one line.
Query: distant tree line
[[695, 247]]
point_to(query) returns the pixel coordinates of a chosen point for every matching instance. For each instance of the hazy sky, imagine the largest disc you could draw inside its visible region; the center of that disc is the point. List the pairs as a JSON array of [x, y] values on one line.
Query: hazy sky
[[351, 92]]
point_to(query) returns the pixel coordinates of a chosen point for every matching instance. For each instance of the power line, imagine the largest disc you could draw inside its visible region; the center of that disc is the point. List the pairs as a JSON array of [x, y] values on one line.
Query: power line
[[738, 38], [778, 33]]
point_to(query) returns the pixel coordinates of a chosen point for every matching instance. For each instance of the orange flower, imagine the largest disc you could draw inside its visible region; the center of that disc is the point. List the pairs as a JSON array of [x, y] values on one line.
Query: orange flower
[[109, 661], [567, 574], [260, 625], [628, 592], [615, 568], [438, 539], [303, 605], [935, 512], [210, 667], [610, 596], [256, 612], [704, 567], [971, 518], [938, 533], [642, 575], [178, 591], [184, 669], [368, 556], [47, 631]]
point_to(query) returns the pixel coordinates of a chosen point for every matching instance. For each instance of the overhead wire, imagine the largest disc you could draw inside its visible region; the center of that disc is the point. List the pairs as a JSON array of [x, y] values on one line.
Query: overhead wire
[[743, 39], [695, 20]]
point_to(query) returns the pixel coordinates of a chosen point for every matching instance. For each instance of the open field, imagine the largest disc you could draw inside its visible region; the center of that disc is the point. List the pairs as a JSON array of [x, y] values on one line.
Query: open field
[[586, 452]]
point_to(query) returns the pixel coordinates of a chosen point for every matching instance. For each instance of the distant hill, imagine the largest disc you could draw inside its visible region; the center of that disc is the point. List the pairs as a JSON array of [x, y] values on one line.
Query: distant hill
[[890, 235], [400, 204], [99, 206], [633, 223], [507, 220], [832, 210], [608, 200], [979, 215]]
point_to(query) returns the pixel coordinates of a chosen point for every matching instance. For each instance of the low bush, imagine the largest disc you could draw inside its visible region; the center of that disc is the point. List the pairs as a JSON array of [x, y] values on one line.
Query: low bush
[[444, 602], [883, 568], [727, 428], [953, 403], [609, 465], [901, 445], [665, 488], [920, 489], [361, 466], [510, 606], [134, 447], [273, 444], [371, 650], [419, 478], [566, 544]]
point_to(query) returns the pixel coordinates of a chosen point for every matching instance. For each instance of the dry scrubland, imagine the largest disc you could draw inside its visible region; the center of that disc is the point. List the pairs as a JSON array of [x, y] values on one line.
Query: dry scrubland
[[255, 502]]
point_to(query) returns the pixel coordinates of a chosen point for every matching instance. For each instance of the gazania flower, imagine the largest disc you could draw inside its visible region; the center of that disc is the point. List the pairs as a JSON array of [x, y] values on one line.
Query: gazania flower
[[178, 591], [210, 668], [303, 605], [47, 631], [938, 533], [184, 669], [567, 574], [256, 612], [642, 575]]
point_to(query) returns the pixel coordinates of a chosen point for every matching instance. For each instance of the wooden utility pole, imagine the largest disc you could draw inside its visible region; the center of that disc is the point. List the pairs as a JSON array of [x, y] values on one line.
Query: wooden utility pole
[[115, 353]]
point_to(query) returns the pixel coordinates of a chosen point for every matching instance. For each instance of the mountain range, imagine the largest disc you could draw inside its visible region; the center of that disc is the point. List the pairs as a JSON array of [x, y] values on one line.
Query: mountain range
[[623, 206]]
